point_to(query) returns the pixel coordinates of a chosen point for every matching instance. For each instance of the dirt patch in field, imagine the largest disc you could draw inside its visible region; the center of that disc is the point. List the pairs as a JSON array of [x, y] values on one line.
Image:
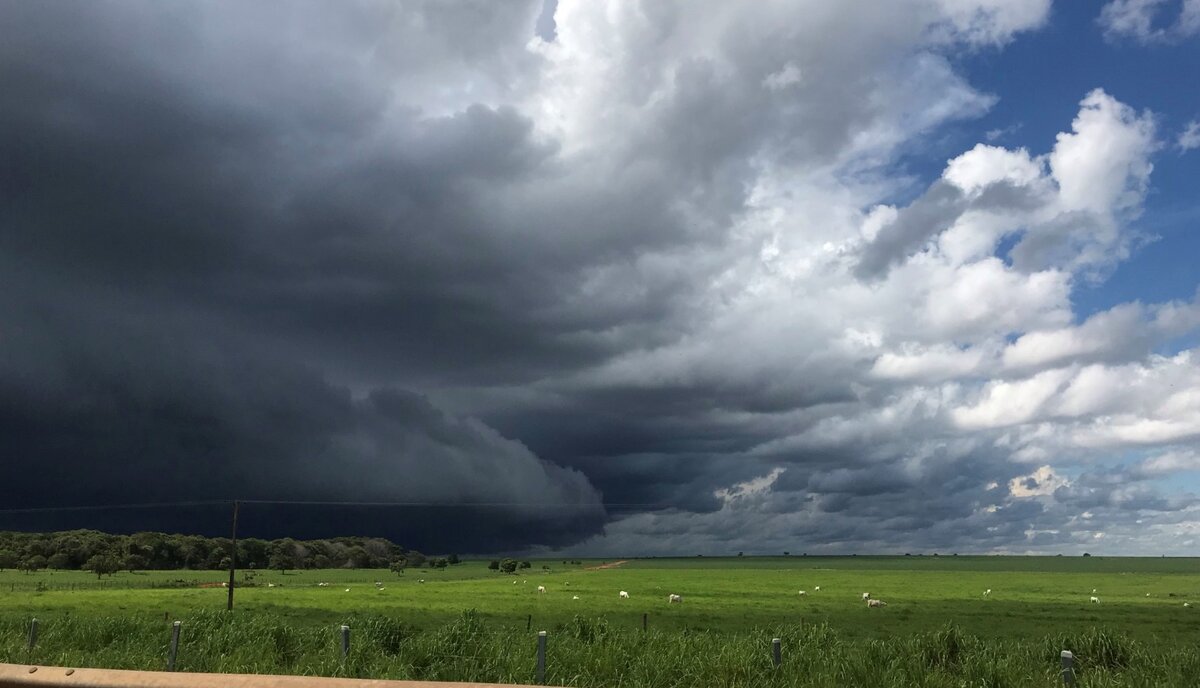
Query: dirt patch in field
[[609, 565]]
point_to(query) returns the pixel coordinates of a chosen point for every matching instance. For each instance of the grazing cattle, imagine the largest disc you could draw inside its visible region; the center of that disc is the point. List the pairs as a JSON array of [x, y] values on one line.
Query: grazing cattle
[[225, 585], [817, 589], [420, 580], [1093, 591], [381, 588], [1147, 594], [1095, 599], [541, 589], [801, 593], [987, 592], [673, 598], [866, 595], [1187, 604], [347, 589], [270, 585], [624, 595], [876, 603], [575, 597]]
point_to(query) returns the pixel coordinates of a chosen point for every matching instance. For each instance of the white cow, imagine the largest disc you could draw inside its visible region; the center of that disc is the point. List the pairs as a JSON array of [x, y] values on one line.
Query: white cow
[[270, 585], [987, 592], [1095, 599], [1187, 604], [347, 589], [866, 595], [541, 589], [876, 603], [801, 593], [818, 588], [673, 598], [624, 595], [575, 597]]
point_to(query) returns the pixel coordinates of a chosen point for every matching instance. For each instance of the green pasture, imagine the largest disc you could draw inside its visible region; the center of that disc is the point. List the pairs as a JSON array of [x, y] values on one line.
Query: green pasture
[[1031, 596]]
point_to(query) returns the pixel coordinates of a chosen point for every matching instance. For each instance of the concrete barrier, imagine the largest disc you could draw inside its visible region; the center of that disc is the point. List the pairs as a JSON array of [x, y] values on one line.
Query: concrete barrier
[[31, 676]]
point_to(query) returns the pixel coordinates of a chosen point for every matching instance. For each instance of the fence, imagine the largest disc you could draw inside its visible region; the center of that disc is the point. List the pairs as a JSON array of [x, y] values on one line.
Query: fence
[[341, 639]]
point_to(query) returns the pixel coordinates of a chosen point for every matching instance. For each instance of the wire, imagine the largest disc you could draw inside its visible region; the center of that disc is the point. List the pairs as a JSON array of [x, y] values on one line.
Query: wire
[[103, 507], [303, 502]]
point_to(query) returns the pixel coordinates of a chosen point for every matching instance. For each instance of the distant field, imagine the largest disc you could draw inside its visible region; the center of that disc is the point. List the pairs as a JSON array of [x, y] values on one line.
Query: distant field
[[1029, 595], [1043, 601]]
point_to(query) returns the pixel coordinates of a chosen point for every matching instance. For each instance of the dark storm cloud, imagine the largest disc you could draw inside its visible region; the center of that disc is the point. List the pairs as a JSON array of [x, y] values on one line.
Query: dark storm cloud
[[103, 404], [196, 240]]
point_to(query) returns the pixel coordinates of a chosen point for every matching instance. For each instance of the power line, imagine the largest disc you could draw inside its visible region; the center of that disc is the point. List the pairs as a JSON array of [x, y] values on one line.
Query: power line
[[331, 503], [107, 507]]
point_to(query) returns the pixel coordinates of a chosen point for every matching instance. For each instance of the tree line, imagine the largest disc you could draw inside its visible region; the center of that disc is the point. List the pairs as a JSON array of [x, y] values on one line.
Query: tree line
[[105, 553]]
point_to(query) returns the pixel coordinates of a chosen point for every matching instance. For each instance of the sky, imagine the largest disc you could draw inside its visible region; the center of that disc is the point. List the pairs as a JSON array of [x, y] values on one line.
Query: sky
[[606, 277]]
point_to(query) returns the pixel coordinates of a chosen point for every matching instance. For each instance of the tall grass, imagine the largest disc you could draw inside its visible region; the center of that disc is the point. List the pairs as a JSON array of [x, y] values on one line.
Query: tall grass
[[591, 652]]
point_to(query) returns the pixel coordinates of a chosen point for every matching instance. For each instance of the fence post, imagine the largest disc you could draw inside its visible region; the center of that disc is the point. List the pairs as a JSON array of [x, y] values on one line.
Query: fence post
[[345, 641], [541, 658], [1068, 668], [174, 651], [528, 623], [644, 617], [33, 626], [776, 652]]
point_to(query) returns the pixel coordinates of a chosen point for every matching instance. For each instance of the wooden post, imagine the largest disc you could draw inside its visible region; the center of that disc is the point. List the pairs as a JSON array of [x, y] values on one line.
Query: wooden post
[[528, 622], [345, 641], [644, 617], [541, 658], [776, 652], [174, 651], [232, 557], [33, 626], [1068, 670]]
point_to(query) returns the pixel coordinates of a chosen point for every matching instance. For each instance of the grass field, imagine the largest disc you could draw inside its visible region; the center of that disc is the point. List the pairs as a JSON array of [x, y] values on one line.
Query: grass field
[[1139, 634]]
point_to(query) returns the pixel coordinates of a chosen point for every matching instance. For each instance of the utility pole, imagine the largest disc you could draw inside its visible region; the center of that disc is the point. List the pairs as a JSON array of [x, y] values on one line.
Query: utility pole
[[232, 556]]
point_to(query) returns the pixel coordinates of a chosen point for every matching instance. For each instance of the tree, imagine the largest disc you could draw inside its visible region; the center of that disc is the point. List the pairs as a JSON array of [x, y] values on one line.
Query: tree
[[415, 559], [35, 563], [282, 561], [398, 565], [493, 565], [59, 561], [525, 565], [135, 562], [439, 563], [8, 560], [453, 559], [508, 565], [102, 564], [322, 561]]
